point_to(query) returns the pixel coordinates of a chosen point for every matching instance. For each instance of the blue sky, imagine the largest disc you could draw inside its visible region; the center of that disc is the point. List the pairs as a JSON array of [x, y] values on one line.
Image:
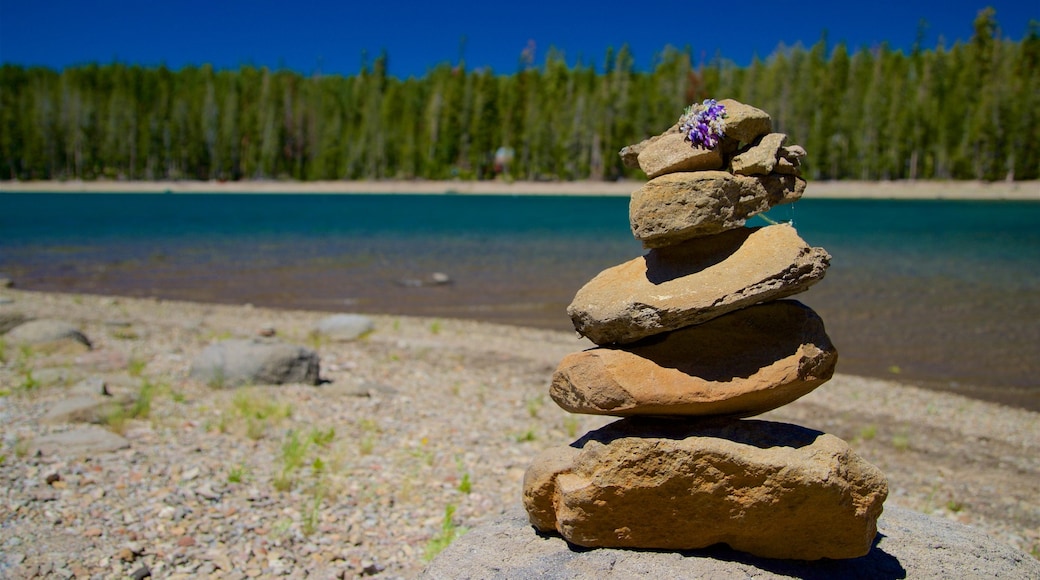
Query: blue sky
[[330, 36]]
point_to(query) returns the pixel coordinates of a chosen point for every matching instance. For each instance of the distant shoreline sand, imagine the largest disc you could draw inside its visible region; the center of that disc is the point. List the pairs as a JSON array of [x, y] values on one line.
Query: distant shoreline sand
[[962, 190]]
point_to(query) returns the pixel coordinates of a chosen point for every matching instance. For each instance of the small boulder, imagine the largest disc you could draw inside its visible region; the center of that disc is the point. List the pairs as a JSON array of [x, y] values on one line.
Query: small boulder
[[741, 364], [344, 326], [760, 158], [80, 441], [232, 363], [10, 318], [681, 206], [770, 489], [672, 153], [790, 160], [744, 123], [678, 286], [630, 153], [49, 334], [85, 409]]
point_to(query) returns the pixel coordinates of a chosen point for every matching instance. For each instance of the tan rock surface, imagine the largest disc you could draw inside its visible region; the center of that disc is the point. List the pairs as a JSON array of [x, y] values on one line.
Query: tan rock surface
[[760, 159], [671, 153], [670, 288], [680, 206], [630, 153], [741, 364], [744, 123], [774, 490]]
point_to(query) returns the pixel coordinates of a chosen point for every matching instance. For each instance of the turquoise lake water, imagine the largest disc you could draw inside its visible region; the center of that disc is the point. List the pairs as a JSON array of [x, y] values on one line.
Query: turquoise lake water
[[945, 294]]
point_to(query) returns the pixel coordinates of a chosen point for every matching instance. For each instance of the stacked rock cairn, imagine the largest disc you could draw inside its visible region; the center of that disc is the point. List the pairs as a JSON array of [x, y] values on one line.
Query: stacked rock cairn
[[694, 337]]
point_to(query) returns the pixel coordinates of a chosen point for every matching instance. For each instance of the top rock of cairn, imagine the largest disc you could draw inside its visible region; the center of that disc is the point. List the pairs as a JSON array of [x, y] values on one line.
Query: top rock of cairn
[[742, 169]]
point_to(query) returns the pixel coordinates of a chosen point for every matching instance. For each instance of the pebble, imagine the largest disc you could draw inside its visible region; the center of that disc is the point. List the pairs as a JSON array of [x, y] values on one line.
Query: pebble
[[466, 391]]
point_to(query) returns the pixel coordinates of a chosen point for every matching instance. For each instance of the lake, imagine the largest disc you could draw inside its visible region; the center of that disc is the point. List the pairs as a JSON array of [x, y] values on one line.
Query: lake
[[944, 294]]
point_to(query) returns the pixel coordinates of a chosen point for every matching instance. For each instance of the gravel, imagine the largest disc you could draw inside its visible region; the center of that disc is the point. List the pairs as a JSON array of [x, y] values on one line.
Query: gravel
[[419, 420]]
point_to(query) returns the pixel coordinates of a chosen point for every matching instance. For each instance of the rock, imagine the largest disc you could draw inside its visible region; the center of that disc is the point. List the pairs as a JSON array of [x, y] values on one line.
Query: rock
[[744, 123], [49, 334], [774, 490], [909, 545], [741, 364], [678, 286], [681, 206], [10, 319], [630, 154], [86, 440], [6, 282], [85, 409], [233, 363], [790, 160], [761, 158], [344, 326], [671, 153], [91, 386]]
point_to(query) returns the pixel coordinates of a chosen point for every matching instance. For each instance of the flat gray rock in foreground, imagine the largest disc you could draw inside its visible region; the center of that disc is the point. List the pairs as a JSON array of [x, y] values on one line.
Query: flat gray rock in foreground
[[258, 362], [345, 326], [908, 545], [47, 331], [80, 441]]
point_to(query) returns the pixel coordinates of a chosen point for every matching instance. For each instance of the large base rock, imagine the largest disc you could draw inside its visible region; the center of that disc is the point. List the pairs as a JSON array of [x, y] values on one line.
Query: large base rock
[[678, 286], [770, 489], [741, 364], [908, 545]]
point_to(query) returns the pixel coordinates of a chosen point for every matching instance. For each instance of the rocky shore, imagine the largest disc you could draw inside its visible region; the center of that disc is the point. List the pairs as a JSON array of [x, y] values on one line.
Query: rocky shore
[[416, 431], [965, 190]]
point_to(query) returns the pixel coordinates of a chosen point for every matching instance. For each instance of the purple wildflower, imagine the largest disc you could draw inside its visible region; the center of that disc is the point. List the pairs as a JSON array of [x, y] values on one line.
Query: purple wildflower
[[702, 124]]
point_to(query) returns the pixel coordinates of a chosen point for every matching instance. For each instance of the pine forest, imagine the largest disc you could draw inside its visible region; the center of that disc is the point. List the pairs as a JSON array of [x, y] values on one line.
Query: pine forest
[[966, 111]]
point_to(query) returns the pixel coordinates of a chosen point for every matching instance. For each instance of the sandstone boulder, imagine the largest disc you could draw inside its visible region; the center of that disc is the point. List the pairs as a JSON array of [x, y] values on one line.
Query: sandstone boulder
[[741, 364], [789, 161], [630, 154], [48, 334], [909, 545], [744, 123], [680, 206], [770, 489], [344, 327], [678, 286], [761, 158], [671, 153], [233, 363]]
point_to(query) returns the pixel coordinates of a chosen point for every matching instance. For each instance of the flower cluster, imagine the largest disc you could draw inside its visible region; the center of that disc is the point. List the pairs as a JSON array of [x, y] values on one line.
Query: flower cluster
[[702, 124]]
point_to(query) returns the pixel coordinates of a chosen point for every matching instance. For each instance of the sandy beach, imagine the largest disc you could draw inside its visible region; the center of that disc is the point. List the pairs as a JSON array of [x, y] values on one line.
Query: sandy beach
[[966, 190], [420, 415]]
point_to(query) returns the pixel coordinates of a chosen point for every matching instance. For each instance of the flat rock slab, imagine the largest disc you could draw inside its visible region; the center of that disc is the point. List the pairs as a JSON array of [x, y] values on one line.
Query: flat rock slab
[[677, 207], [679, 286], [86, 440], [232, 363], [770, 489], [85, 409], [741, 364], [908, 545], [48, 333], [344, 327], [671, 153]]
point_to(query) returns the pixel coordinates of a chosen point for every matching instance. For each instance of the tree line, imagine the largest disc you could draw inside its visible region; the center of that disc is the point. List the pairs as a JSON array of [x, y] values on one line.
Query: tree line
[[968, 111]]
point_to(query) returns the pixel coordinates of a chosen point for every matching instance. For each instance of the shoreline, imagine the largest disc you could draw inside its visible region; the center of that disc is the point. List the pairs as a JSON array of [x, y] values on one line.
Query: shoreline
[[903, 190], [415, 408]]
